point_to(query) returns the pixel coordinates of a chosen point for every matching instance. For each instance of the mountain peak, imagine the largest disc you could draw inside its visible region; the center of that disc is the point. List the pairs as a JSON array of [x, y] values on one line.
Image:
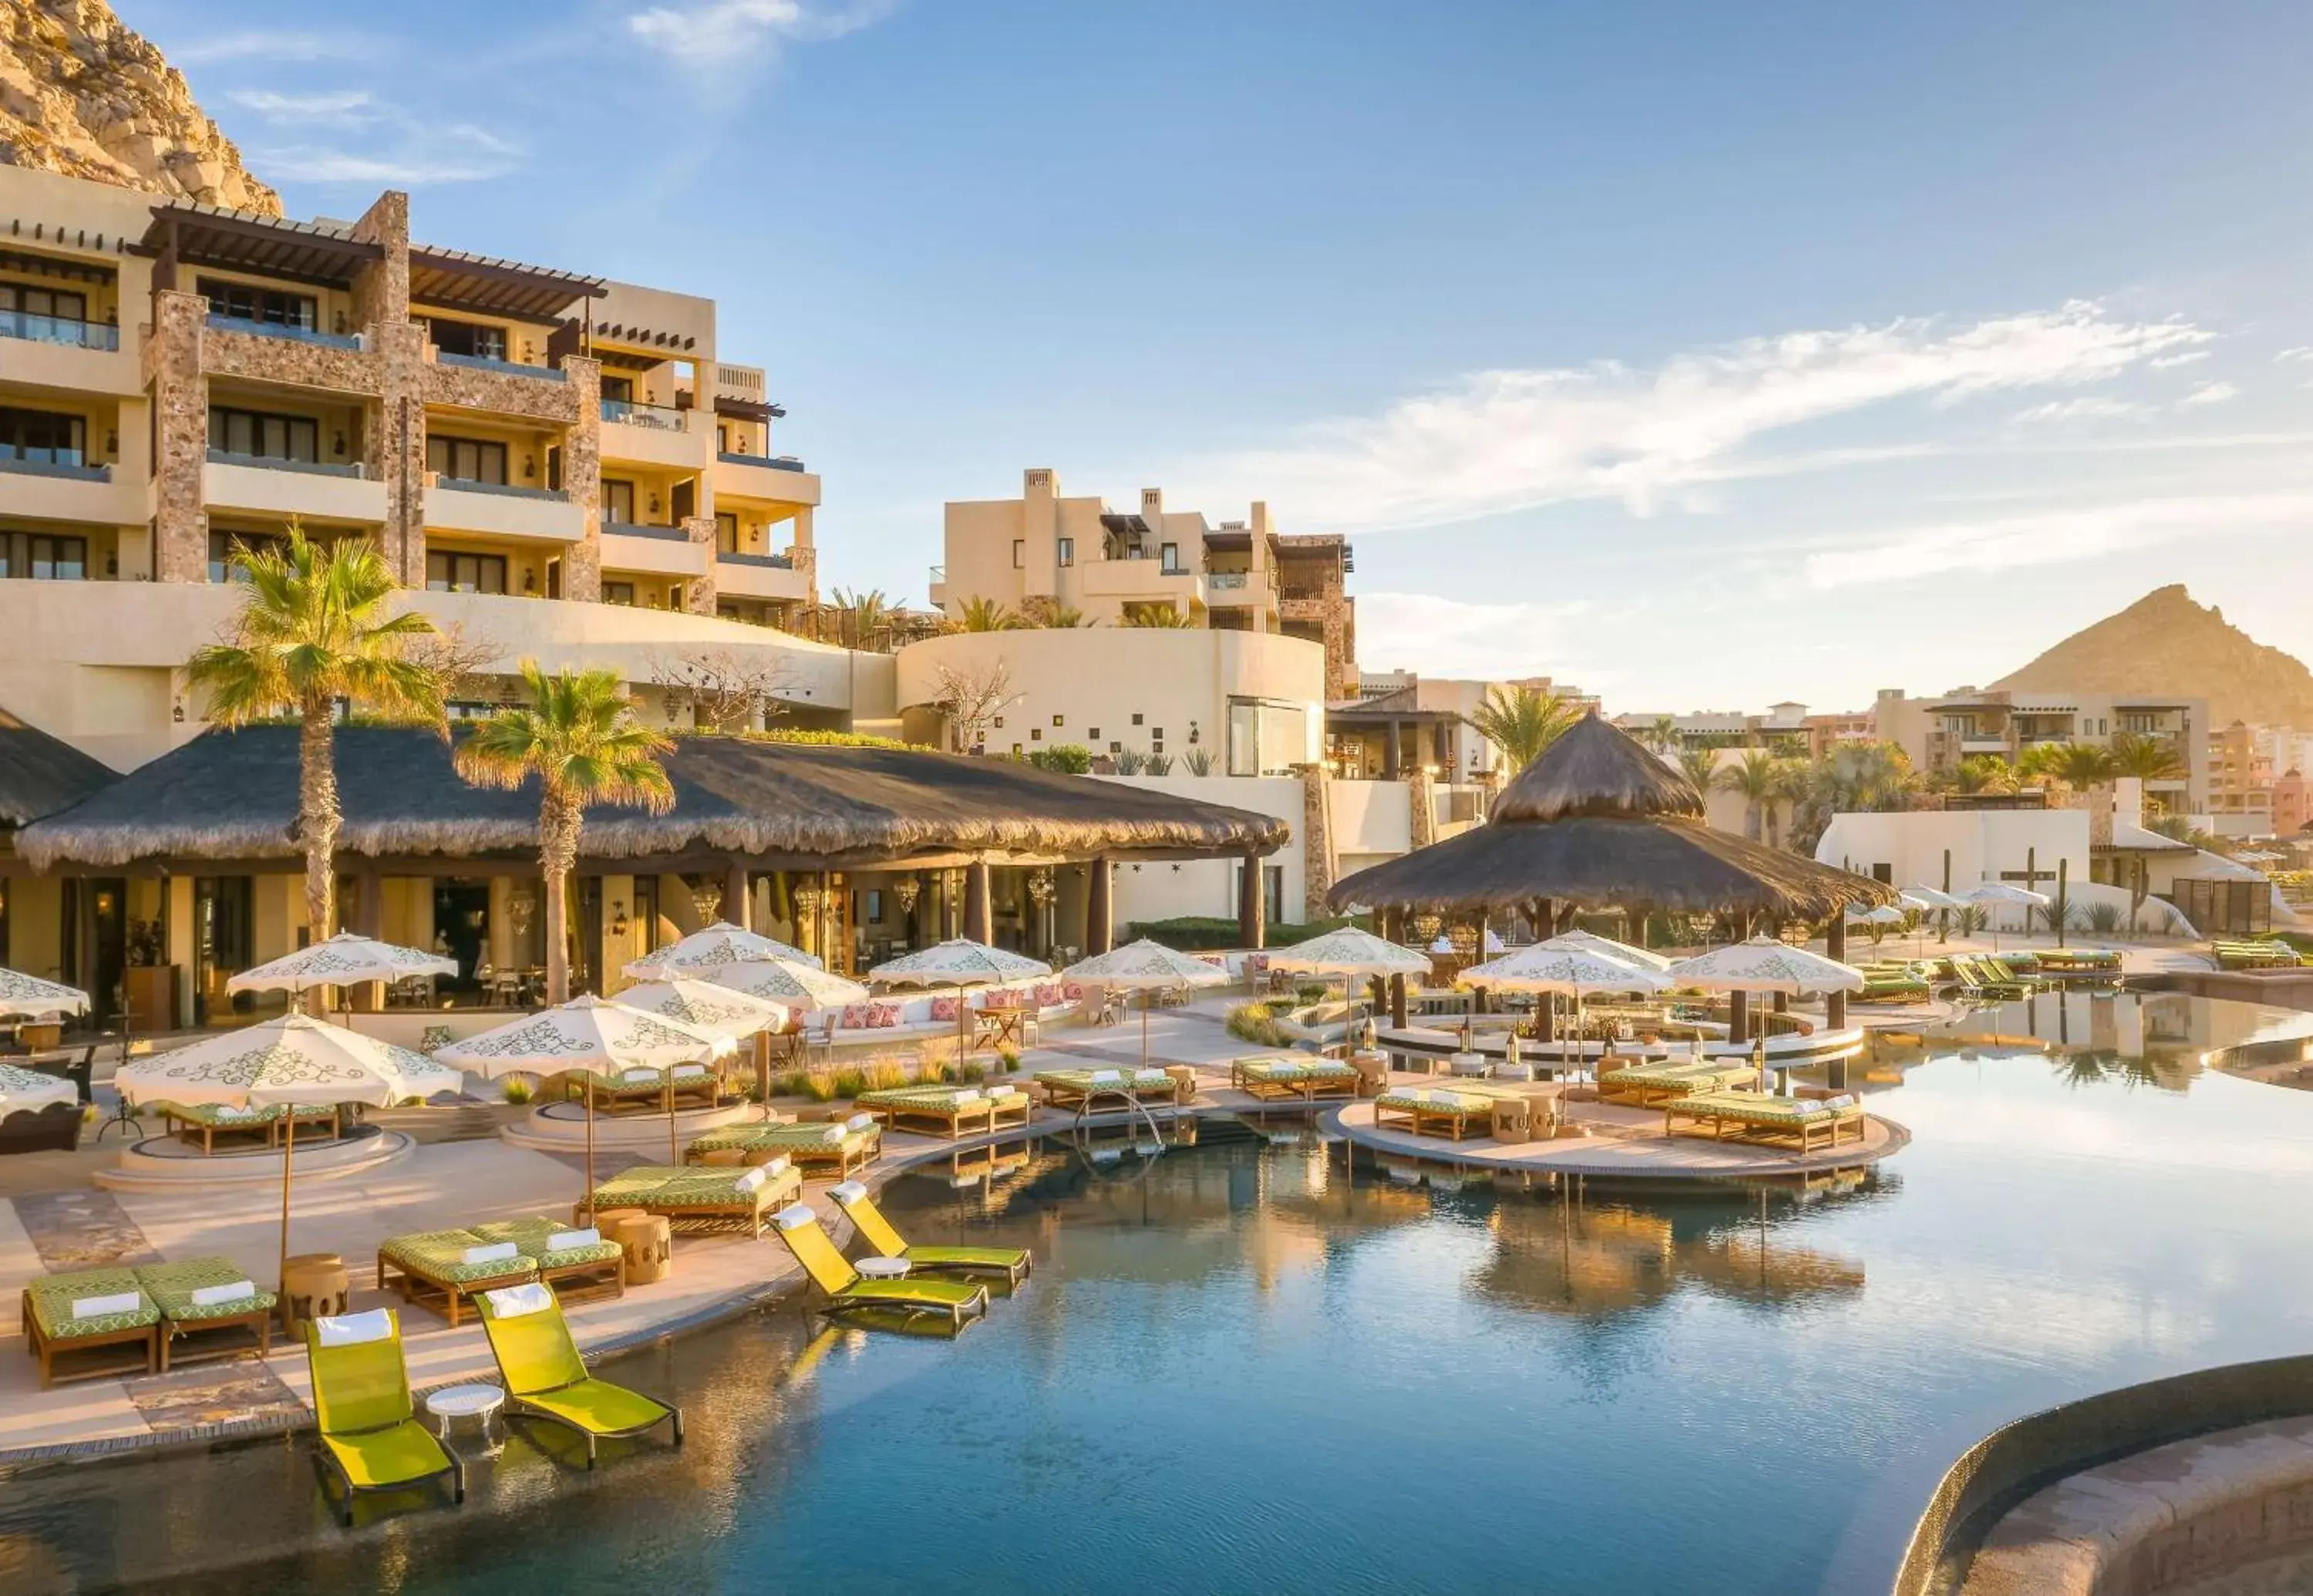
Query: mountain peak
[[2164, 642]]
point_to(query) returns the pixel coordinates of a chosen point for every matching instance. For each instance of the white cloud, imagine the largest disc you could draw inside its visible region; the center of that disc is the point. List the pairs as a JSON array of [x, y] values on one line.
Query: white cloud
[[2055, 537], [2166, 361], [2210, 393], [345, 104], [1499, 441], [275, 47], [416, 154], [1448, 637], [2301, 352], [719, 31], [2090, 408]]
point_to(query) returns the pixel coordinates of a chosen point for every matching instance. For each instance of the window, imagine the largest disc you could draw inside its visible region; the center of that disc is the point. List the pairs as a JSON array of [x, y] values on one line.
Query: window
[[1093, 733], [1168, 557], [1067, 551], [262, 435], [1019, 553], [1266, 738], [618, 593], [1136, 718], [41, 557], [466, 459], [726, 533], [61, 305], [621, 389], [222, 553], [722, 439], [1035, 734], [448, 572], [471, 338], [619, 501], [1059, 720], [43, 437], [246, 301], [1116, 747]]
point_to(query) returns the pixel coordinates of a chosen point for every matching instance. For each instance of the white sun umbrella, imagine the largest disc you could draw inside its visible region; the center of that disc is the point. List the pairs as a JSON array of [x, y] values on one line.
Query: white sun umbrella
[[706, 951], [1579, 938], [1929, 900], [295, 1062], [346, 959], [1763, 964], [1577, 969], [29, 994], [29, 1090], [1146, 968], [595, 1035], [1988, 895], [958, 963], [1348, 951], [1878, 915], [785, 980], [737, 1014]]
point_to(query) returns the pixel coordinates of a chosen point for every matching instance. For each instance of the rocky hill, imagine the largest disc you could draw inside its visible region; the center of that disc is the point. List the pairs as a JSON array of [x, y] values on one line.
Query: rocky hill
[[81, 95], [2164, 642]]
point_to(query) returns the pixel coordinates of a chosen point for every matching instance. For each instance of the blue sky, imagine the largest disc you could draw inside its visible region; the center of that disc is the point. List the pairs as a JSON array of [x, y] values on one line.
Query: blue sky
[[1702, 355]]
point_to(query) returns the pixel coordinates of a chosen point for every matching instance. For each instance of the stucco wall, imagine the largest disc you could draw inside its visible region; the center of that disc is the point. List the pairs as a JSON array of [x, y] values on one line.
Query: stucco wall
[[1156, 890]]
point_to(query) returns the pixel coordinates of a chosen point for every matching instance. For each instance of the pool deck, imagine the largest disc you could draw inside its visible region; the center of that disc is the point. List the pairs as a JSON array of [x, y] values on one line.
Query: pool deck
[[1621, 1141]]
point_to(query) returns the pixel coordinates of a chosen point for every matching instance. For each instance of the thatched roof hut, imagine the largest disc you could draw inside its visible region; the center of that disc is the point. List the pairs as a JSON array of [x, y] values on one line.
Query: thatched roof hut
[[1600, 822], [40, 774], [231, 795]]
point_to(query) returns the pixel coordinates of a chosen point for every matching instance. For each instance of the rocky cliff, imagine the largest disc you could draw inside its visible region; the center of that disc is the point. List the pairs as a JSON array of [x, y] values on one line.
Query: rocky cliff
[[2164, 642], [81, 95]]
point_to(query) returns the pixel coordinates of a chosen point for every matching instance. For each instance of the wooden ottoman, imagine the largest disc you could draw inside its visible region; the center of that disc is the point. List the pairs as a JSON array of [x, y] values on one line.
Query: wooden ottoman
[[648, 1241]]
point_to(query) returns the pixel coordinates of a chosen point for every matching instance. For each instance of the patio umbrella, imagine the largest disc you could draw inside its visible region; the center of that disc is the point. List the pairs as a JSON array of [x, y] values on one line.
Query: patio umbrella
[[785, 980], [1578, 970], [1623, 951], [346, 959], [959, 962], [594, 1034], [1349, 951], [1878, 915], [736, 1014], [1763, 964], [29, 1090], [1988, 894], [1941, 902], [1146, 968], [295, 1062], [29, 994], [703, 952]]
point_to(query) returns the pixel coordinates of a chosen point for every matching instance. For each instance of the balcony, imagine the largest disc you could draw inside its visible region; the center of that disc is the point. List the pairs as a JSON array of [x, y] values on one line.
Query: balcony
[[504, 368], [650, 435], [1140, 581], [771, 479], [1240, 590], [1977, 743], [60, 485], [639, 529], [938, 590], [775, 462], [65, 464], [268, 486], [59, 329], [664, 550], [628, 413], [303, 335], [59, 352], [497, 510], [759, 576]]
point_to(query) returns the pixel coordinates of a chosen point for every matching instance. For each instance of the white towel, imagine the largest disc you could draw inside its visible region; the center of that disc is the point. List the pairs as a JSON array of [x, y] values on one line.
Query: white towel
[[512, 1301], [351, 1330], [860, 1122], [563, 1241], [689, 1071], [963, 1099], [98, 1307], [640, 1075], [1107, 1077], [778, 1166], [850, 1191], [750, 1180], [833, 1134], [209, 1296], [1150, 1078], [795, 1217], [495, 1253]]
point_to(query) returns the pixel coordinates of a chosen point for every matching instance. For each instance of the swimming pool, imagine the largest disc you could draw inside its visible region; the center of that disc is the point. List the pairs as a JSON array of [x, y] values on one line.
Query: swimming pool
[[1240, 1367]]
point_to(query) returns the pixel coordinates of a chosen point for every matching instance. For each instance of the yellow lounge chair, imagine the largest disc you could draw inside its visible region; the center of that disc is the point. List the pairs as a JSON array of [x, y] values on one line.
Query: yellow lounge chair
[[544, 1374], [370, 1434], [847, 1288], [1012, 1262]]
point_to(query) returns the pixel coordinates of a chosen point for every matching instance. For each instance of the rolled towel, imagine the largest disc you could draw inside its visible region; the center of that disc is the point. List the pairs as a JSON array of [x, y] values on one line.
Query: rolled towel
[[495, 1253], [751, 1179], [209, 1296], [793, 1217], [98, 1307], [849, 1191], [640, 1075], [512, 1301], [963, 1099], [352, 1329], [860, 1122], [774, 1167], [564, 1241], [1107, 1077], [833, 1134]]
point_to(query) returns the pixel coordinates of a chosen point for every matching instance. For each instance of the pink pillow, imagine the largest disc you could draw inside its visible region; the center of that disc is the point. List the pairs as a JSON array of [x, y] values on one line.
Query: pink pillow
[[1073, 991], [854, 1015], [1214, 959], [1047, 994], [944, 1008], [1258, 963], [883, 1016]]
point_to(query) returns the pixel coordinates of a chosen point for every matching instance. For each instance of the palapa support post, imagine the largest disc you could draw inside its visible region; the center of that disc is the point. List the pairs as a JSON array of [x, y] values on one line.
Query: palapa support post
[[288, 1153], [1248, 903], [2062, 907], [1835, 946], [763, 1073], [979, 913], [738, 897], [1397, 1002], [1100, 915], [1738, 1017]]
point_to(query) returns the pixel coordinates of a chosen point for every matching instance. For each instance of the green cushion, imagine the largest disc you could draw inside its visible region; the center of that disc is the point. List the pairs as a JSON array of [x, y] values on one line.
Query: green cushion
[[599, 1408], [919, 1293], [171, 1287], [668, 1186], [400, 1455], [53, 1295], [440, 1254], [1755, 1109], [531, 1235], [966, 1257]]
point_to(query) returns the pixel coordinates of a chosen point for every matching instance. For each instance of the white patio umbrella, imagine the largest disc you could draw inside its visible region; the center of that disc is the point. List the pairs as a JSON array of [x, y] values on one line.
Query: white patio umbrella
[[295, 1062], [595, 1035], [784, 981], [29, 1091], [1878, 915], [1349, 951], [1580, 970], [738, 1015], [346, 959], [707, 950], [1988, 895], [958, 963], [1928, 898], [29, 994], [1763, 964], [1146, 968], [1579, 938]]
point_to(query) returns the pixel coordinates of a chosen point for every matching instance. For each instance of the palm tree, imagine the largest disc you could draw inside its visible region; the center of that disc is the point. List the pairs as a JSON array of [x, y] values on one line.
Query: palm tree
[[870, 612], [2083, 766], [1762, 778], [2042, 763], [2146, 758], [1701, 765], [1065, 617], [1163, 616], [313, 630], [1664, 734], [1984, 772], [1523, 722], [985, 614], [580, 738]]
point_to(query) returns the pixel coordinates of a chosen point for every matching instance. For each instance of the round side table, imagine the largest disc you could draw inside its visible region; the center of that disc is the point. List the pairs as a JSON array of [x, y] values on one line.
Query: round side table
[[314, 1285], [648, 1242], [475, 1401], [882, 1268]]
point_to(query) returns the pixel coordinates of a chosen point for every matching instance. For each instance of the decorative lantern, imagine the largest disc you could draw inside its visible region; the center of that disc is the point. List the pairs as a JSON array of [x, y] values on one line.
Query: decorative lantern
[[1040, 887], [907, 889]]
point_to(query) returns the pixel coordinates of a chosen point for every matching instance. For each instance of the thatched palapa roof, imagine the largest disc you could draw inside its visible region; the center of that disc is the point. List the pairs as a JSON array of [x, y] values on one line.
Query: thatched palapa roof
[[1600, 822], [40, 774], [234, 795]]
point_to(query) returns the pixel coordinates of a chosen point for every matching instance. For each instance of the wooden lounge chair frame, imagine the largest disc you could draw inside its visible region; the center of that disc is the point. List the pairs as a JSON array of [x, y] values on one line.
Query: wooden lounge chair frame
[[418, 1286], [217, 1336], [1800, 1132], [1455, 1118], [749, 1219], [1086, 1096], [1301, 1089], [48, 1349], [951, 1122]]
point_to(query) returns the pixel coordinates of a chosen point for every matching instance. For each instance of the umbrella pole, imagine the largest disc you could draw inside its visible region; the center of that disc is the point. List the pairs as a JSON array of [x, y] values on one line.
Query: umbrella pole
[[1147, 997], [588, 1201], [288, 1152], [671, 1156]]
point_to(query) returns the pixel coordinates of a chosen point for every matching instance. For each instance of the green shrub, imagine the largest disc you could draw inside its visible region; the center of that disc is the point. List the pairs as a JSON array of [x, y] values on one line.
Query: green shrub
[[849, 1082], [517, 1091], [1200, 762], [1312, 992], [1070, 759], [1160, 764], [972, 1072], [1255, 1023]]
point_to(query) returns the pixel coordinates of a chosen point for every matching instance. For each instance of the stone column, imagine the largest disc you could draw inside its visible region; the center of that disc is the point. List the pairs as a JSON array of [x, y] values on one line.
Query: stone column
[[1319, 866], [1835, 946], [699, 593], [1250, 920], [1100, 915], [738, 895], [582, 477], [979, 909], [1423, 803], [180, 417], [397, 447]]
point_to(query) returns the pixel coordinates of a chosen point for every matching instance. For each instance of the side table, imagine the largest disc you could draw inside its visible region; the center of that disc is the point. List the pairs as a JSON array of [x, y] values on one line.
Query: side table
[[478, 1400], [314, 1285]]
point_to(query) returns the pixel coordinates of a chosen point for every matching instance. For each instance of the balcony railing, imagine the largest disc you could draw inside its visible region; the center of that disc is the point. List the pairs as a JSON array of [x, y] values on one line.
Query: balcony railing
[[636, 529], [506, 368], [67, 463], [312, 468], [665, 416], [303, 335], [507, 490], [1228, 581], [776, 461], [940, 574], [59, 329], [777, 562]]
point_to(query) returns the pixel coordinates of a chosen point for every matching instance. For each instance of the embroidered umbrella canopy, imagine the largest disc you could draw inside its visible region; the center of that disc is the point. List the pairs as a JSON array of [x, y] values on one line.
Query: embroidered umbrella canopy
[[1348, 951], [295, 1062], [737, 1014], [957, 962], [1764, 965], [345, 959], [1988, 895], [784, 981], [704, 952], [29, 994], [599, 1039], [1620, 951], [1577, 969], [29, 1091], [1146, 968]]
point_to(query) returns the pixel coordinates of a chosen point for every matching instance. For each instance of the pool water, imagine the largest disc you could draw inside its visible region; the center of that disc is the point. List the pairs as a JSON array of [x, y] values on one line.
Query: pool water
[[1247, 1365]]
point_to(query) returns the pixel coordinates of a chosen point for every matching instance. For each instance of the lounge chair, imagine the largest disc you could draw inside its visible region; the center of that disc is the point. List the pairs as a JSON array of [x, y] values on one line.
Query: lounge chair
[[699, 1199], [545, 1375], [1646, 1084], [90, 1311], [1087, 1090], [370, 1432], [211, 1306], [2263, 953], [948, 1111], [1294, 1079], [638, 1090], [1012, 1262], [2098, 965], [846, 1289], [446, 1270], [1805, 1122], [842, 1145], [1436, 1110], [578, 1264], [205, 1123]]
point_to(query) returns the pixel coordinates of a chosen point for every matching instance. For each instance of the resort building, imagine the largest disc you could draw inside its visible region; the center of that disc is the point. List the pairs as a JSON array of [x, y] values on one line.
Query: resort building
[[1400, 721], [2240, 782], [547, 456], [1044, 553], [1786, 729], [1967, 723]]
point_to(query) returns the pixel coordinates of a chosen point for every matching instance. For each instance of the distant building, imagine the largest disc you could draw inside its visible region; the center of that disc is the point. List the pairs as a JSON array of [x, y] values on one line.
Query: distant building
[[2292, 803], [1940, 732], [1786, 729], [2240, 782]]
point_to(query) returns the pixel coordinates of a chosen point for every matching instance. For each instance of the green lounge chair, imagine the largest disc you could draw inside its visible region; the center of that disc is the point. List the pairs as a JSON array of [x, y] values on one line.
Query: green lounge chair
[[1805, 1122], [1087, 1091], [948, 1111], [700, 1199], [545, 1375], [846, 1289], [1649, 1083], [370, 1432], [1294, 1079], [1457, 1113], [843, 1145], [578, 1264], [90, 1311], [446, 1270], [1012, 1262], [210, 1304]]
